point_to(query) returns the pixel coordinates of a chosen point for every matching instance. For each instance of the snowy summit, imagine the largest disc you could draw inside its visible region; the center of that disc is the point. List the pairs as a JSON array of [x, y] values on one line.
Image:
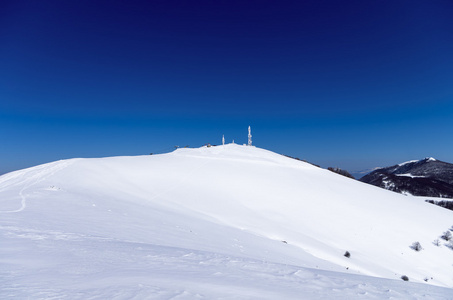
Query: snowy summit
[[229, 221]]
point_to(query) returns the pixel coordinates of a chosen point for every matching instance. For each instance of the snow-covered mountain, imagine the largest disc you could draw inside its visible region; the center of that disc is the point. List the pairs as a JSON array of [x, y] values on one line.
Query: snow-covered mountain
[[427, 177], [231, 221]]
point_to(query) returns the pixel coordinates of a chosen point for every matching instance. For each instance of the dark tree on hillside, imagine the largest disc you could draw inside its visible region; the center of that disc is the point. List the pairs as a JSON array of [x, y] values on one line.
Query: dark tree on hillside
[[446, 236], [442, 203], [341, 172]]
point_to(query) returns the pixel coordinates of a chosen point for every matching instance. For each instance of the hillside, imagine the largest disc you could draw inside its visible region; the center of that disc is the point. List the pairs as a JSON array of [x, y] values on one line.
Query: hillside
[[427, 177], [228, 221]]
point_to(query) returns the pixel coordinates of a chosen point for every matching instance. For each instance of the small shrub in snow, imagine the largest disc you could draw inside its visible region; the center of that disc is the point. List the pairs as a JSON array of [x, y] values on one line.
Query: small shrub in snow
[[347, 254], [416, 246], [436, 242], [405, 278], [450, 244], [446, 236]]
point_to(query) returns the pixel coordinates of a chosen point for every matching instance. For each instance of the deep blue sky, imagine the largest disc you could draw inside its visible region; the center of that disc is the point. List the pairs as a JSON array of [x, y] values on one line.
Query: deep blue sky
[[352, 84]]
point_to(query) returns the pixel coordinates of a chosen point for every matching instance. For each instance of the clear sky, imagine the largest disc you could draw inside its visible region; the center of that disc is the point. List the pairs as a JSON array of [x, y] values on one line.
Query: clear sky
[[349, 84]]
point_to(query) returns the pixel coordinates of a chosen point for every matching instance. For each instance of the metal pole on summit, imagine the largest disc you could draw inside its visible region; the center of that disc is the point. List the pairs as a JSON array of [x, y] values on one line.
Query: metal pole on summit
[[250, 137]]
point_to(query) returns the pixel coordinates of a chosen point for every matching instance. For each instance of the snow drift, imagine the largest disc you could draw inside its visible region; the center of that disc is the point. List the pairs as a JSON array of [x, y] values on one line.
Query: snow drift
[[227, 221]]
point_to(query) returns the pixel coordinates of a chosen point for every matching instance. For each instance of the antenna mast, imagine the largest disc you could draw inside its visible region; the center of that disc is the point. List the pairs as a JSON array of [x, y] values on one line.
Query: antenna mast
[[250, 137]]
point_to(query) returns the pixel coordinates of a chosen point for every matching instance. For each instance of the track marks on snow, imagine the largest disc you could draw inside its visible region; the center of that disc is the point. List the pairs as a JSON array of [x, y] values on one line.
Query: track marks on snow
[[30, 177]]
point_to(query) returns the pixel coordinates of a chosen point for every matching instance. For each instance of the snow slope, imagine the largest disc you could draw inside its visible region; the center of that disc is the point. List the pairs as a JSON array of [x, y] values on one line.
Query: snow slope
[[231, 221]]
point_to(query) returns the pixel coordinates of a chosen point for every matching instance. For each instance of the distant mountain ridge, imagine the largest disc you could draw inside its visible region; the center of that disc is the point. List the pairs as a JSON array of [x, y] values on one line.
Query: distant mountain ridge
[[427, 177]]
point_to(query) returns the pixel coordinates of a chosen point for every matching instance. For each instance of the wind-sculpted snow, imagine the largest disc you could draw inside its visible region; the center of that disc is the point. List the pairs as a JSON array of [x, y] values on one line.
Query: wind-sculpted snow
[[87, 267], [230, 221]]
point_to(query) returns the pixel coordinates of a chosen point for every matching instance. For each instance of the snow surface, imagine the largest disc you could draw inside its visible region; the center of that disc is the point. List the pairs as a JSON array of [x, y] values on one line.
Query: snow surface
[[410, 175], [226, 222], [414, 161], [408, 162]]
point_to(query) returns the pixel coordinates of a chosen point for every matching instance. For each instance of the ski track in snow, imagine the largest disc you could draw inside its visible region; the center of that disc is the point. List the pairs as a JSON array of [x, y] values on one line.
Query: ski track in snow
[[44, 173]]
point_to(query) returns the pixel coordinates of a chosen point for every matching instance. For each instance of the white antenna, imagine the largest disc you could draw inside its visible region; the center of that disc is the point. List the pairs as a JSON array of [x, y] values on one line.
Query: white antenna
[[223, 139], [250, 137]]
